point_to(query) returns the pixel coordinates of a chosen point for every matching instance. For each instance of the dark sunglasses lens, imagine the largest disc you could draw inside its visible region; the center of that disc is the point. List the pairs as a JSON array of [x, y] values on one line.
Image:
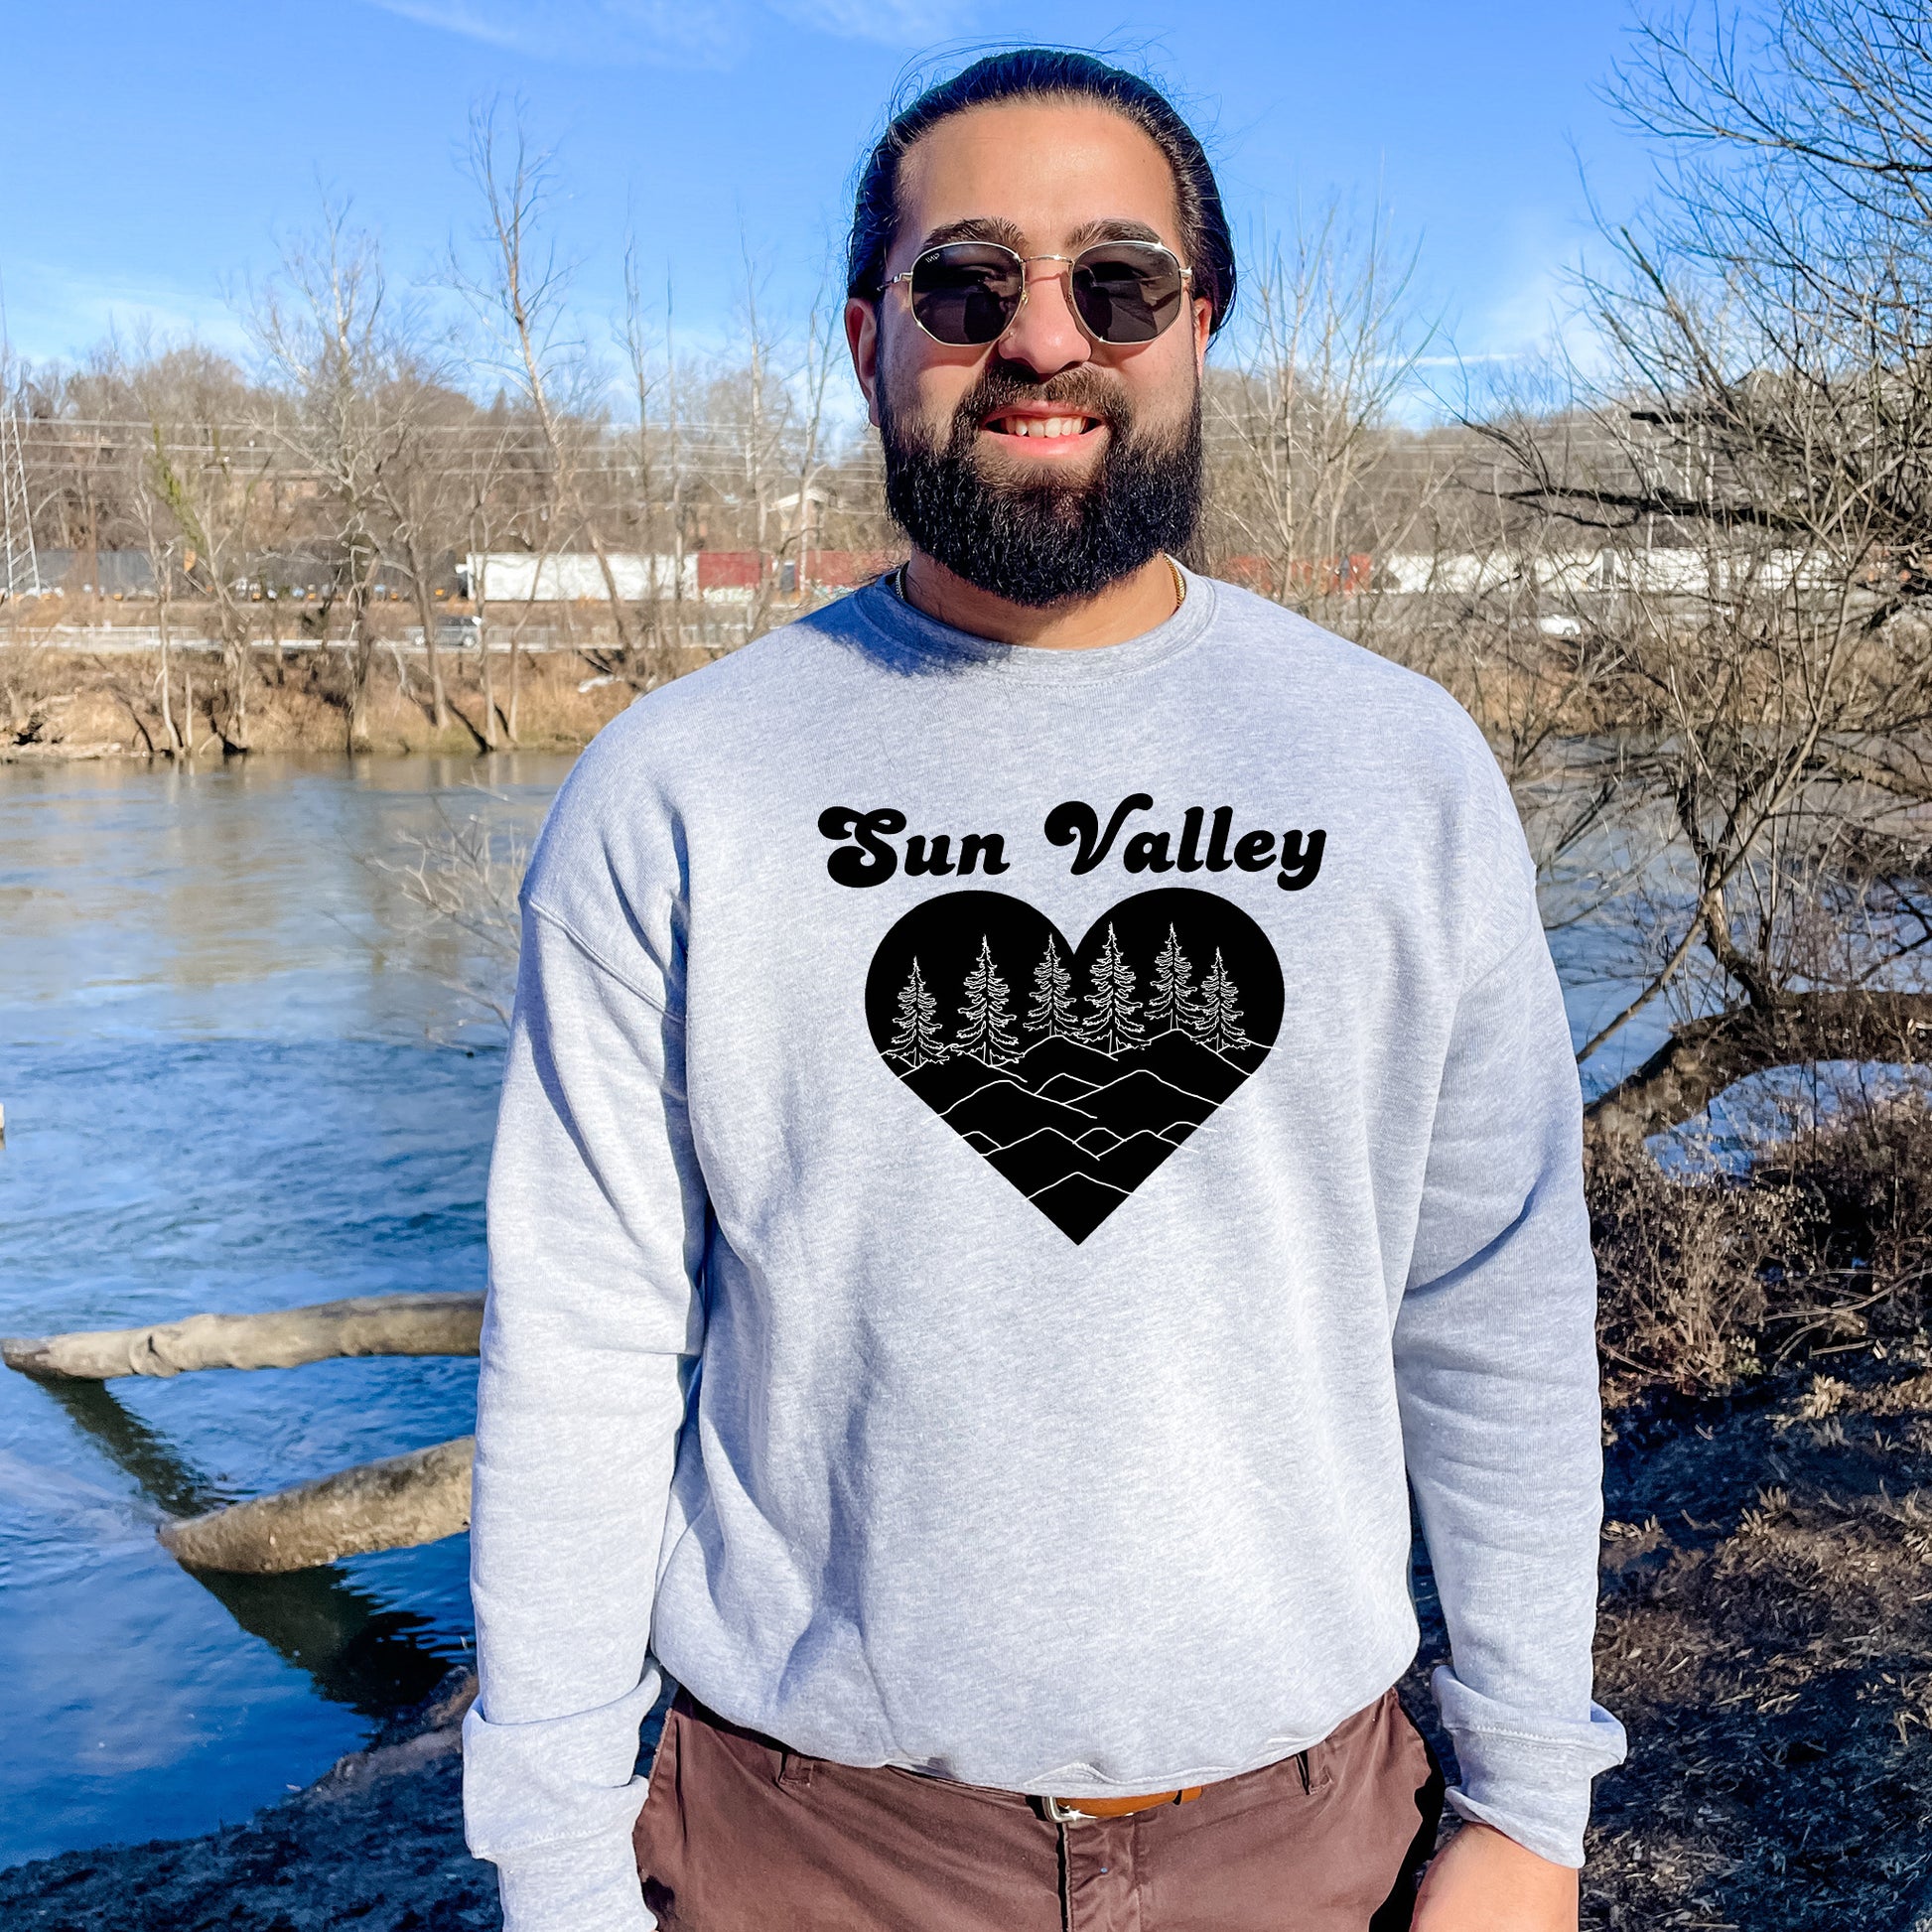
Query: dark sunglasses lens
[[1126, 293], [966, 292]]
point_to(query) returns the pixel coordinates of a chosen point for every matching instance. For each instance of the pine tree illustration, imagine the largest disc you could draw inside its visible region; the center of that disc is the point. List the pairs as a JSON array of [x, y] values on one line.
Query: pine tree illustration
[[1170, 1004], [916, 1039], [1217, 1011], [986, 1020], [1115, 1026], [1054, 1014]]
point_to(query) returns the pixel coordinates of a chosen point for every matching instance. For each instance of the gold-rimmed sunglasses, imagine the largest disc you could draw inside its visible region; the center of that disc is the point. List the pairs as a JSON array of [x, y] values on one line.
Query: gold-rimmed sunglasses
[[966, 293]]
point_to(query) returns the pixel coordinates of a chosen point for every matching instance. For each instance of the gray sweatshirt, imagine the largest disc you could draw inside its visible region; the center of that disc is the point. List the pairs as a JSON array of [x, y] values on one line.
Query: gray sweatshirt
[[1012, 1164]]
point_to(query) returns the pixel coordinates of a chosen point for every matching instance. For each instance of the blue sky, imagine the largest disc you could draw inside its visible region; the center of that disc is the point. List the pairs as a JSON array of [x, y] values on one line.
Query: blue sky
[[153, 152]]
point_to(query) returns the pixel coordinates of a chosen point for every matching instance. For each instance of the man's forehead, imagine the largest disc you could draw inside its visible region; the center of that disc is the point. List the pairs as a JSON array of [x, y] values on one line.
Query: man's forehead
[[1036, 175]]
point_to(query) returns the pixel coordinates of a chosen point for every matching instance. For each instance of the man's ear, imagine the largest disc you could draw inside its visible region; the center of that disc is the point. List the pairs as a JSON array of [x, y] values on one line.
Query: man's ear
[[1203, 330], [862, 338]]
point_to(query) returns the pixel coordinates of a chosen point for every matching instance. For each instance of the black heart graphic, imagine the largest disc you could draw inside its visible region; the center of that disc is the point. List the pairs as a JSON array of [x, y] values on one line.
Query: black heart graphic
[[1074, 1070]]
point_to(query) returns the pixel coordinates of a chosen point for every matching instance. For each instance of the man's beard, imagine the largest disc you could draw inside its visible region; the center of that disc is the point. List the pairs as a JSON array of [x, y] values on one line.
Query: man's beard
[[1053, 541]]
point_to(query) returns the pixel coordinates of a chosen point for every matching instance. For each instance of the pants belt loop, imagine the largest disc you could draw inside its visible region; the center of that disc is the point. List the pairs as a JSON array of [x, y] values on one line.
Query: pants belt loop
[[1302, 1765], [794, 1770]]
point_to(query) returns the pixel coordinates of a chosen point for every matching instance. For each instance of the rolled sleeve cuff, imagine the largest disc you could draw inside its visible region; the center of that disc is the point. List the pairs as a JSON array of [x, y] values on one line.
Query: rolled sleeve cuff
[[551, 1804], [585, 1884], [1530, 1779]]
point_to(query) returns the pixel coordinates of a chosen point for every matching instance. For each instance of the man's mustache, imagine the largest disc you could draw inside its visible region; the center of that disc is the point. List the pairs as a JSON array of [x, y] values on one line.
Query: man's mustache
[[1081, 392]]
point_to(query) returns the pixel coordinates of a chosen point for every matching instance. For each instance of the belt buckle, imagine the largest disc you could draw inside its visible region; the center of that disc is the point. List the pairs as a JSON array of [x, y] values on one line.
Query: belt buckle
[[1060, 1814]]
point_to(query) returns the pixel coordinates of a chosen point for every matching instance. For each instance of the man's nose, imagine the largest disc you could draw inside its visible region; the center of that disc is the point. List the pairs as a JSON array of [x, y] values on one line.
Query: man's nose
[[1044, 334]]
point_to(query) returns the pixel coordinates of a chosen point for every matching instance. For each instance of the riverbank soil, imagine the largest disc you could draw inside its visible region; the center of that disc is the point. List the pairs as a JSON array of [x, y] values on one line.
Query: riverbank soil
[[1767, 1637], [1766, 1622], [57, 703]]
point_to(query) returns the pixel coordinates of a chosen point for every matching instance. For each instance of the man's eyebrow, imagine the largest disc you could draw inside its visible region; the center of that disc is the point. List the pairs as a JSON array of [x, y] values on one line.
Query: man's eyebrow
[[994, 227], [975, 227], [1112, 227]]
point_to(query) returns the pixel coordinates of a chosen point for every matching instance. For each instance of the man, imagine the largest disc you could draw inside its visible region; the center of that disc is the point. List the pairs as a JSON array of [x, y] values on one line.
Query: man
[[1038, 1098]]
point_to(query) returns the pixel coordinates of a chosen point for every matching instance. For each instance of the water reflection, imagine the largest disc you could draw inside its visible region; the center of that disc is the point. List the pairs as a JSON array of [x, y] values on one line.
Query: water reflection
[[356, 1653], [235, 899]]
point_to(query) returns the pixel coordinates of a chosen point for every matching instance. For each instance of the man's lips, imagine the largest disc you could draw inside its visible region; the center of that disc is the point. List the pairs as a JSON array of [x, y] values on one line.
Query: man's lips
[[1034, 425]]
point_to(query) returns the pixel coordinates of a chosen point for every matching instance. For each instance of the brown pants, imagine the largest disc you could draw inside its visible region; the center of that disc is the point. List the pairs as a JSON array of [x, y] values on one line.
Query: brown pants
[[740, 1834]]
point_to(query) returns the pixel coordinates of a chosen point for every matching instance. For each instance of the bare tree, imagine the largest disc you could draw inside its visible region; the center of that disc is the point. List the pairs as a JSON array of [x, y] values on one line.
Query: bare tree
[[320, 326], [163, 547], [824, 348], [1781, 299], [520, 297], [364, 400], [658, 461], [1759, 489], [460, 883], [675, 458], [758, 416], [207, 472], [421, 498], [1301, 420], [161, 535]]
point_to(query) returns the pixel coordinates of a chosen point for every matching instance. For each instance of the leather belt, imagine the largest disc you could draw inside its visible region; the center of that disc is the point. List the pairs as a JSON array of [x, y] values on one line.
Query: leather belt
[[1086, 1811]]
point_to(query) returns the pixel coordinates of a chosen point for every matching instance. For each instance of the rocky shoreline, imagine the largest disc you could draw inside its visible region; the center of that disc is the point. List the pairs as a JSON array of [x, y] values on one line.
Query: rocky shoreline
[[376, 1843]]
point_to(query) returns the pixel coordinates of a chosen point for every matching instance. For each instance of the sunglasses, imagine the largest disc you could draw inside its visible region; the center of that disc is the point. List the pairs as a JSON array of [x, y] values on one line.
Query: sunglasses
[[966, 293]]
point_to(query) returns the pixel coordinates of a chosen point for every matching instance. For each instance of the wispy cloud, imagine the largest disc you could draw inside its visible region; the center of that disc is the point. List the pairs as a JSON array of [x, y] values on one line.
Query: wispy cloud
[[681, 33], [54, 313], [895, 23]]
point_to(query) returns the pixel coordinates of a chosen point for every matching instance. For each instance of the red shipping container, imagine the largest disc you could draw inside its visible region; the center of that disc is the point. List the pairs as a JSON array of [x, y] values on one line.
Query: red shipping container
[[728, 569], [840, 570]]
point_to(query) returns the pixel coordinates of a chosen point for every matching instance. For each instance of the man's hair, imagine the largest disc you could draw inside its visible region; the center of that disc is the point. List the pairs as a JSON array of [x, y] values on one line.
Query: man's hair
[[1046, 73]]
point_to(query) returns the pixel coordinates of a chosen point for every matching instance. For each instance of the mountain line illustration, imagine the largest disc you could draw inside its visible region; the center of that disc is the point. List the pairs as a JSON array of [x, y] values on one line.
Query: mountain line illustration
[[1074, 1072]]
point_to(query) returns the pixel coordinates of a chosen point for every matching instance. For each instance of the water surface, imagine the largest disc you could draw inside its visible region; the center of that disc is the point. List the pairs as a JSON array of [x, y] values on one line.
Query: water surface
[[227, 1085]]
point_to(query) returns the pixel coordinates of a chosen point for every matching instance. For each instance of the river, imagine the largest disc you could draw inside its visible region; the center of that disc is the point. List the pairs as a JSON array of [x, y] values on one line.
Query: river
[[233, 1078], [225, 1082]]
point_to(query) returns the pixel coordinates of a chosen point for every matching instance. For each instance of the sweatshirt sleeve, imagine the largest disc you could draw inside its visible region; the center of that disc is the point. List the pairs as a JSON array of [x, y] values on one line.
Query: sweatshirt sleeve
[[1496, 1370], [597, 1228]]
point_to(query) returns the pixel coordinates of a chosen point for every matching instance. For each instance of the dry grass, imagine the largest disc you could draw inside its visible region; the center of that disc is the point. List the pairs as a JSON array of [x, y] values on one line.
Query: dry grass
[[1710, 1281], [1766, 1630], [1767, 1636]]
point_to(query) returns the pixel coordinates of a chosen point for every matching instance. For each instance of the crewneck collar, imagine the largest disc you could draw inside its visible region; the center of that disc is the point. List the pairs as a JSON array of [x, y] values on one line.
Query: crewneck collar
[[906, 626]]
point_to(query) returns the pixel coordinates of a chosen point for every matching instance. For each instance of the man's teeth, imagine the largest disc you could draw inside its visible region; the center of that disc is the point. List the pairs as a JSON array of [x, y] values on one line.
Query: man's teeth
[[1043, 425]]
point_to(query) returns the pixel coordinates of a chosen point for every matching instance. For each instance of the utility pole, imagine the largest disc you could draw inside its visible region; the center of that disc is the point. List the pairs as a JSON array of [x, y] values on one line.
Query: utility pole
[[20, 570]]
